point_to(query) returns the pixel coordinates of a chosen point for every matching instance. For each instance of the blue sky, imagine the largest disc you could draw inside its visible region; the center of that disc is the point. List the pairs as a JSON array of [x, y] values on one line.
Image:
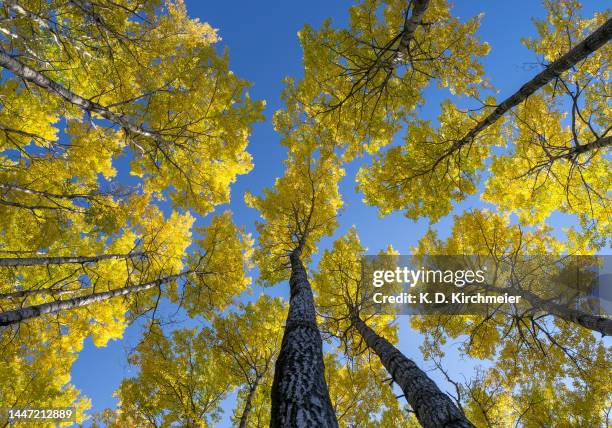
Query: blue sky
[[263, 45]]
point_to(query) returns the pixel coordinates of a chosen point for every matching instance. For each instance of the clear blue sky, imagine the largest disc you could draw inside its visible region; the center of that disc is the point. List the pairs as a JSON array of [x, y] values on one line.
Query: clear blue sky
[[263, 46]]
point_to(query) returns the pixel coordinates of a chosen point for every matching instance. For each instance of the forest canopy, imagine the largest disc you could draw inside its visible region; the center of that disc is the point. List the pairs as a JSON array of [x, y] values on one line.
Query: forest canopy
[[143, 205]]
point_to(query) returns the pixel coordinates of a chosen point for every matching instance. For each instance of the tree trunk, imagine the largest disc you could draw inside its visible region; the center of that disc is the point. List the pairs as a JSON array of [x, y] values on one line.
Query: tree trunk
[[40, 207], [579, 52], [26, 73], [18, 315], [418, 10], [249, 403], [432, 407], [597, 144], [45, 194], [38, 261], [300, 397], [592, 322]]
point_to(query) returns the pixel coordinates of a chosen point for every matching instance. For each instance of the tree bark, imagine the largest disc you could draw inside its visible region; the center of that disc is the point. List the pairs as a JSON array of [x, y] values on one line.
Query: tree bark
[[21, 314], [40, 207], [592, 322], [597, 144], [38, 261], [579, 52], [248, 404], [44, 194], [432, 407], [418, 10], [300, 397], [45, 261], [23, 71], [26, 293]]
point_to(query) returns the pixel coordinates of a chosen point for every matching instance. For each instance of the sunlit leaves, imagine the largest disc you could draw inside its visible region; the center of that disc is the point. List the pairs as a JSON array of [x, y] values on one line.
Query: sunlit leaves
[[361, 84], [360, 396], [423, 176], [35, 367], [299, 210], [220, 267], [75, 182], [533, 357], [248, 341], [341, 293], [179, 381]]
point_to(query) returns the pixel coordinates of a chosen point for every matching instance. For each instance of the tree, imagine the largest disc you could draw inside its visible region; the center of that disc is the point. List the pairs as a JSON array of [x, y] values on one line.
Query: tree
[[92, 93], [361, 83], [122, 125], [330, 109], [522, 387], [299, 211], [169, 97], [340, 290], [534, 348], [359, 396], [203, 289], [124, 82], [180, 381], [58, 336], [432, 407], [35, 368], [248, 342], [546, 163], [553, 71], [184, 378], [514, 254]]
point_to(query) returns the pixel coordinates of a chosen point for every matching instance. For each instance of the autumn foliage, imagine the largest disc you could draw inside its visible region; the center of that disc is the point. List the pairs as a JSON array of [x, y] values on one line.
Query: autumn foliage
[[122, 131]]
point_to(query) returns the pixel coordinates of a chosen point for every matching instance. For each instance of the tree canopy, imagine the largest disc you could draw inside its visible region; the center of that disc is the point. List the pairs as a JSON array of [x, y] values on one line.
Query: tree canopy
[[124, 131]]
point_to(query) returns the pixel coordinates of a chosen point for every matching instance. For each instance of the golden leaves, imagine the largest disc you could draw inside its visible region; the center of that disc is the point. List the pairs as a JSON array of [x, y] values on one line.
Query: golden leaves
[[299, 210]]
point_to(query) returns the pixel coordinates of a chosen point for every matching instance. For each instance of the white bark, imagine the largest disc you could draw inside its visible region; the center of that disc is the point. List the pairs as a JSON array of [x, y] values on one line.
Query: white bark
[[38, 261], [418, 10], [18, 315], [592, 322], [579, 52], [23, 71]]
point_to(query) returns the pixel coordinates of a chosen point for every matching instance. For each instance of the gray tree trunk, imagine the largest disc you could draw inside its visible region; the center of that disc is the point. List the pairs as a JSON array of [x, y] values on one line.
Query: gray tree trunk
[[432, 407], [21, 189], [25, 293], [38, 261], [45, 261], [26, 73], [248, 404], [579, 52], [17, 315], [418, 10], [300, 397], [592, 322]]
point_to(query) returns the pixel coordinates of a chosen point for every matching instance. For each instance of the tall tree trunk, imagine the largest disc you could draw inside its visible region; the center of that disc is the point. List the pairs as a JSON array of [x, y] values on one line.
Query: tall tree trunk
[[592, 322], [29, 74], [248, 403], [300, 397], [70, 196], [56, 207], [418, 10], [17, 315], [432, 407], [38, 261], [579, 52]]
